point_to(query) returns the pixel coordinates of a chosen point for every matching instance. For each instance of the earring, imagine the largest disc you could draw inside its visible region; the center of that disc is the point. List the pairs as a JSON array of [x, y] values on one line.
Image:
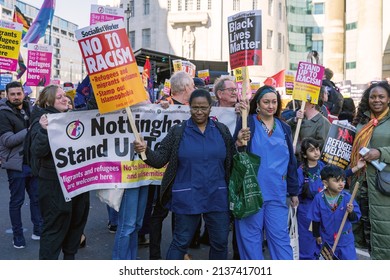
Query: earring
[[257, 110]]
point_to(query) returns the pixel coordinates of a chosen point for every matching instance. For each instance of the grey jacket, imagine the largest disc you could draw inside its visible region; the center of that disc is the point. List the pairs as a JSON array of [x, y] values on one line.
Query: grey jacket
[[13, 129]]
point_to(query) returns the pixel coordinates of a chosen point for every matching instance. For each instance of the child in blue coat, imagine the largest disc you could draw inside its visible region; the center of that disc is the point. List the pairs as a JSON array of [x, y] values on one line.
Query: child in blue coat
[[327, 211], [310, 184]]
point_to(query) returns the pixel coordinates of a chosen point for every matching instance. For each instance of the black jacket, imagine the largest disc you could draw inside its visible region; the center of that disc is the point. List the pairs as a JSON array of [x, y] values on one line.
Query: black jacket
[[13, 129], [40, 142]]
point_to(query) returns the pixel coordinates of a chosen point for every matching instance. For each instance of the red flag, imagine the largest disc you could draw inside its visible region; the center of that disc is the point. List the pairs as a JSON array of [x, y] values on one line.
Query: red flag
[[146, 73], [147, 79], [276, 80]]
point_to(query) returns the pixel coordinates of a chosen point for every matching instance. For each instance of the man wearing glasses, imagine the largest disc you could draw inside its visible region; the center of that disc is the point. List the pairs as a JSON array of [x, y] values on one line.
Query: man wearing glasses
[[15, 120], [225, 90]]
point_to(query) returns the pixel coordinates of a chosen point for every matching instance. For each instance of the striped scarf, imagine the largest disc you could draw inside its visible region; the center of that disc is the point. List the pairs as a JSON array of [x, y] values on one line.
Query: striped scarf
[[363, 137]]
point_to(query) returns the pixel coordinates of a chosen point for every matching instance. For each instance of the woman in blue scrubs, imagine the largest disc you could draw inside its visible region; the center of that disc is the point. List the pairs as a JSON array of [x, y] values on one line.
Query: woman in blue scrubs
[[270, 138]]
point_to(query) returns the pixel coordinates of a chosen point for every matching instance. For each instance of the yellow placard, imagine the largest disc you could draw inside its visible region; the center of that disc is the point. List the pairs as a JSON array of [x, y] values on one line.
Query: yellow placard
[[118, 88], [177, 65], [238, 74], [289, 83], [13, 39], [305, 92], [203, 74]]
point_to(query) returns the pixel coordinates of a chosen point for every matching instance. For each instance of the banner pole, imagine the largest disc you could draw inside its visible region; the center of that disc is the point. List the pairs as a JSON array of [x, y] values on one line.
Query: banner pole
[[298, 128], [134, 129], [244, 113]]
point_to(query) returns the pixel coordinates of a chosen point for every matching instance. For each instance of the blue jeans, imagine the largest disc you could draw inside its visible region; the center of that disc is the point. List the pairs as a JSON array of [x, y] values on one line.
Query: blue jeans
[[19, 183], [112, 216], [217, 224], [131, 214]]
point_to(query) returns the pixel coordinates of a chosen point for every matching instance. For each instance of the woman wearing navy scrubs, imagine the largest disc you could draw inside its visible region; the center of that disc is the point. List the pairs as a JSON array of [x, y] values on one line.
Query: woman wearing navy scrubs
[[199, 154], [270, 138]]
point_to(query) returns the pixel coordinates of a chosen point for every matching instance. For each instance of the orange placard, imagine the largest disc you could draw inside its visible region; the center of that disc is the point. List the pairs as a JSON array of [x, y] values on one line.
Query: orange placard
[[111, 66]]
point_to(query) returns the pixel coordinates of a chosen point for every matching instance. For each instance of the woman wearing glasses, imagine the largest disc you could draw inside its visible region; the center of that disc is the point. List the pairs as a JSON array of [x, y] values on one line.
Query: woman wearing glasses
[[271, 139], [63, 222], [195, 149]]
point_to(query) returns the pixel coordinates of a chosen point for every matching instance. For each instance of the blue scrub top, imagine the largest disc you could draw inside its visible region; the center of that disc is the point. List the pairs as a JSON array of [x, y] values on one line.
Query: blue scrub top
[[275, 158], [200, 185]]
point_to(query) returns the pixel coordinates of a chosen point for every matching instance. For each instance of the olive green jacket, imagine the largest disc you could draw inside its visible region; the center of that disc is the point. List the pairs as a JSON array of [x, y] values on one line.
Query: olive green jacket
[[379, 204]]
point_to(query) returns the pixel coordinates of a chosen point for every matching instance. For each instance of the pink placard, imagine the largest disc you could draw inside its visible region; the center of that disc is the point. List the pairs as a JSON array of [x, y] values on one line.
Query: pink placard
[[39, 65]]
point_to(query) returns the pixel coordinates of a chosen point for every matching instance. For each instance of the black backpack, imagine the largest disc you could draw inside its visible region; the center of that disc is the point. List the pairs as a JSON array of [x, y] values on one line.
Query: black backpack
[[28, 159]]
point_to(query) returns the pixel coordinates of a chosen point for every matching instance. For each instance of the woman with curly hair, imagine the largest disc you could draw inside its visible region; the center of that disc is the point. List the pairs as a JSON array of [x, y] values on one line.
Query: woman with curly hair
[[372, 123]]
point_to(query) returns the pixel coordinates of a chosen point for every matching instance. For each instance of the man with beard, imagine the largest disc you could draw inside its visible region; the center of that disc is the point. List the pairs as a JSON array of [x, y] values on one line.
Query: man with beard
[[14, 116]]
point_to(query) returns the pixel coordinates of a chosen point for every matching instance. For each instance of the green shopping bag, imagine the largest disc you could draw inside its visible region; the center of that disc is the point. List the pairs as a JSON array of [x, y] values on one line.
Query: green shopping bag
[[244, 191]]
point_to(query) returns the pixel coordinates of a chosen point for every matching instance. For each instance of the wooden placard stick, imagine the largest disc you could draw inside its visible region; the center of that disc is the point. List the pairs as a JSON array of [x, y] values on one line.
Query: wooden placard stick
[[134, 129], [244, 113], [296, 135]]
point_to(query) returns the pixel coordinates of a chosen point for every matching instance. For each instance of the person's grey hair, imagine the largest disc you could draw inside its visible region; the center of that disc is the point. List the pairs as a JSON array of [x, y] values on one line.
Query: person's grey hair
[[219, 84], [179, 81]]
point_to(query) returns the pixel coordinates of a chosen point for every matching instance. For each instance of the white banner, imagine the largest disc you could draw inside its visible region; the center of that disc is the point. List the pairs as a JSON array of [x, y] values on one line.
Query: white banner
[[95, 151]]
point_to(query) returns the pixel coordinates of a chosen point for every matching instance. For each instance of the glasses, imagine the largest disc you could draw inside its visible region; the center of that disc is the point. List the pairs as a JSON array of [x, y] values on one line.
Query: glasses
[[230, 89], [202, 109]]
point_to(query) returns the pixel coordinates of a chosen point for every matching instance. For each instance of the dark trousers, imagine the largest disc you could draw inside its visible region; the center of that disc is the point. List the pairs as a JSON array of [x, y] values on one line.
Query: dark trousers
[[63, 222], [148, 210], [21, 182], [159, 213]]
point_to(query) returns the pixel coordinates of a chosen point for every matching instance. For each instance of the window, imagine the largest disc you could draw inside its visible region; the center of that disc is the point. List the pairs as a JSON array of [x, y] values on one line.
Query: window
[[169, 5], [188, 5], [209, 5], [146, 7], [6, 12], [279, 42], [351, 65], [236, 5], [132, 39], [280, 10], [293, 66], [318, 46], [146, 38], [318, 8], [254, 5], [198, 5], [318, 30], [131, 8], [269, 39], [179, 5], [270, 7], [352, 25]]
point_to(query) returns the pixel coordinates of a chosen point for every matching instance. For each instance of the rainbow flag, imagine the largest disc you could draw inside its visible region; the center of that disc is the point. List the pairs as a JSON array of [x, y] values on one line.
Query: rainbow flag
[[21, 18]]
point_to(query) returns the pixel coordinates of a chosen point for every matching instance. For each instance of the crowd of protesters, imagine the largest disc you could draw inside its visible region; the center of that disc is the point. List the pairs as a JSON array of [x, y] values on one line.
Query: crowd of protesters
[[199, 153]]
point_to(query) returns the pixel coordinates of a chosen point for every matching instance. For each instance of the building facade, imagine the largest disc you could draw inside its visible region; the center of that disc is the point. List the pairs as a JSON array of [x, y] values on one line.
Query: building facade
[[161, 25], [337, 29]]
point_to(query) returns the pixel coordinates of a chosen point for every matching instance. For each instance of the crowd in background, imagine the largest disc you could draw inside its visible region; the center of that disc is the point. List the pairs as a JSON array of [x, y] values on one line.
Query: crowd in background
[[199, 153]]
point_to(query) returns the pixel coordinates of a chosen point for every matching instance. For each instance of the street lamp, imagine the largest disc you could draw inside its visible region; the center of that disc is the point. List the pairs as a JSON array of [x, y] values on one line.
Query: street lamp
[[128, 14]]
